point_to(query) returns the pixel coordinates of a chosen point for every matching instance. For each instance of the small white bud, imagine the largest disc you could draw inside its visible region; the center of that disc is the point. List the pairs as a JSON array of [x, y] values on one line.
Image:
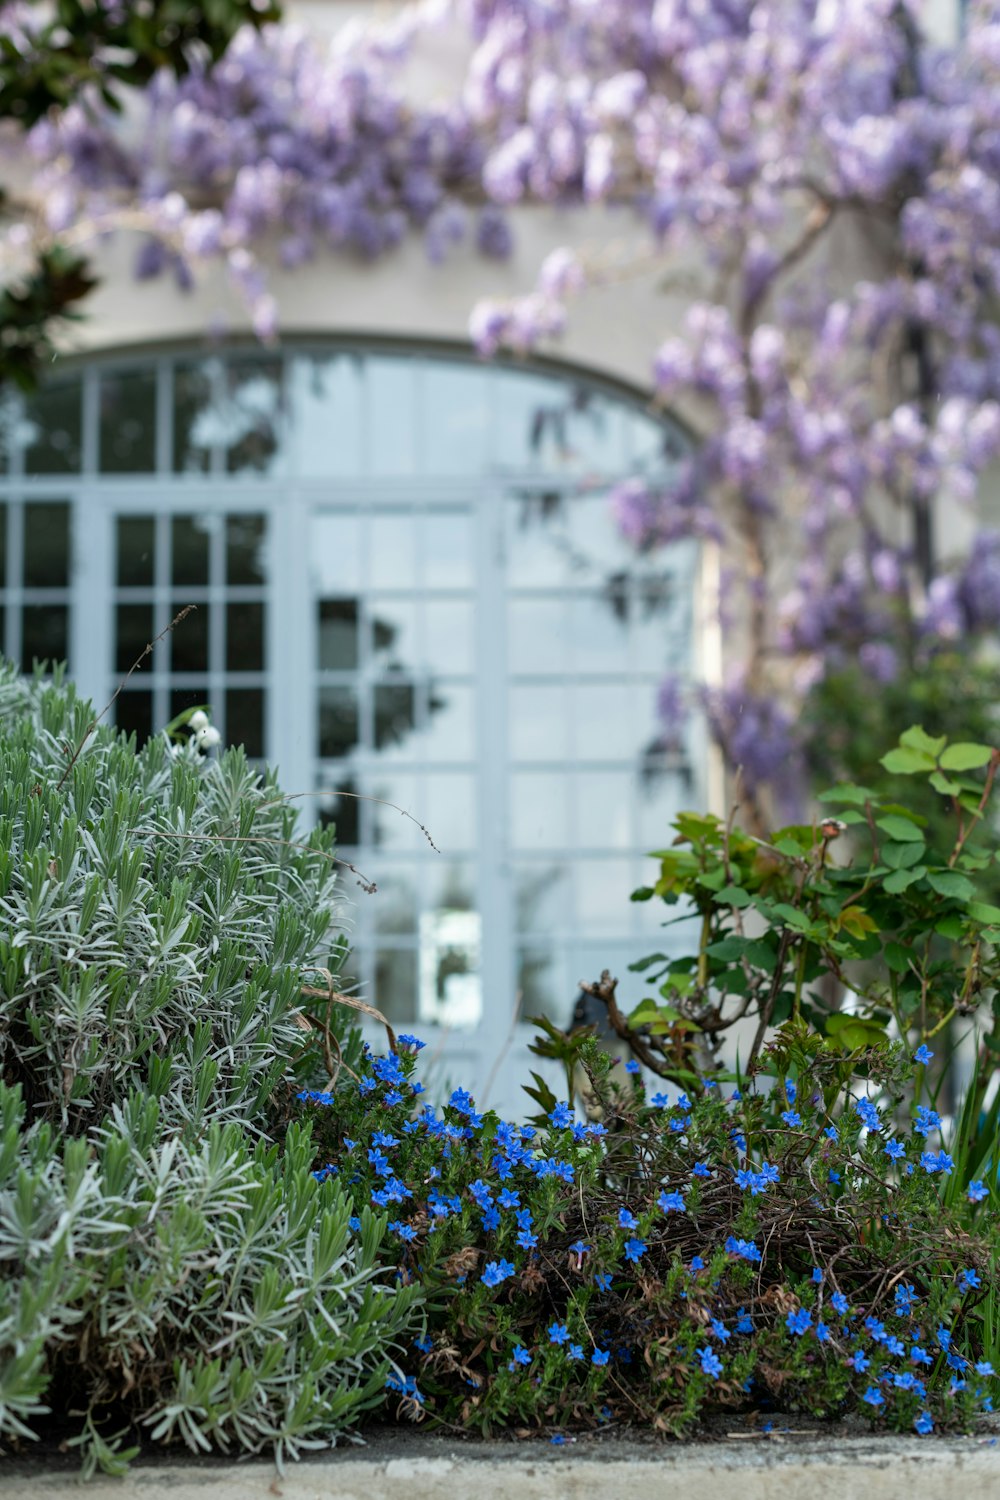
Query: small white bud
[[198, 720], [207, 737]]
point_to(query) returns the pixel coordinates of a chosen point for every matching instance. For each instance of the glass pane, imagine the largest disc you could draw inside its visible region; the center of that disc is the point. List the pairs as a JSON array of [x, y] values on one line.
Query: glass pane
[[393, 633], [46, 546], [603, 806], [449, 734], [326, 411], [656, 620], [539, 721], [189, 640], [661, 794], [9, 413], [338, 721], [599, 627], [537, 543], [196, 422], [455, 428], [245, 720], [537, 635], [339, 805], [53, 428], [604, 716], [244, 637], [189, 543], [135, 551], [529, 422], [44, 633], [127, 422], [603, 888], [450, 810], [395, 993], [651, 445], [395, 902], [3, 545], [448, 884], [395, 716], [397, 795], [253, 417], [449, 551], [538, 989], [246, 549], [539, 810], [182, 698], [392, 554], [449, 636], [133, 633], [338, 634], [335, 553], [450, 985], [541, 897], [134, 714], [392, 414]]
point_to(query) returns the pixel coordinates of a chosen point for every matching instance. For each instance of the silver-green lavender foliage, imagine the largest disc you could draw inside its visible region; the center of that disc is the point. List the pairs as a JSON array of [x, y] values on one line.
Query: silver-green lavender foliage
[[155, 923], [207, 1291]]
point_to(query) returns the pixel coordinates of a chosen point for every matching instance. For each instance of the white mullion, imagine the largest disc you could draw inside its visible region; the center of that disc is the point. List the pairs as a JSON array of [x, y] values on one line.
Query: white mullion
[[15, 575], [216, 600], [91, 596]]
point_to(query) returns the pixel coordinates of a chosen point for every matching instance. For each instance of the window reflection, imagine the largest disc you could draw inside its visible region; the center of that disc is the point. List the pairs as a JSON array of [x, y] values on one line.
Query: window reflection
[[252, 417], [127, 427], [338, 721], [338, 634], [450, 983], [52, 432]]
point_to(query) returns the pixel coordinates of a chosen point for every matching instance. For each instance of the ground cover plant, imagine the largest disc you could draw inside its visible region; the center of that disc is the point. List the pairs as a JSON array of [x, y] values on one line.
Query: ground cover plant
[[795, 1232], [170, 1269], [785, 1249]]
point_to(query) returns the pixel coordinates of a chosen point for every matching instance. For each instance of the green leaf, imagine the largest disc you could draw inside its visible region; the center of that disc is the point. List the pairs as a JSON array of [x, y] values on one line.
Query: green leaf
[[982, 911], [897, 957], [734, 895], [901, 880], [906, 762], [950, 883], [902, 856], [916, 738], [859, 795], [943, 785], [966, 757], [644, 893], [900, 830], [950, 927]]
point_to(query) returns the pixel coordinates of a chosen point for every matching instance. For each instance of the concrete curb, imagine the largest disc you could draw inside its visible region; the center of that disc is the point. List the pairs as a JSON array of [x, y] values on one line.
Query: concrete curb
[[757, 1468]]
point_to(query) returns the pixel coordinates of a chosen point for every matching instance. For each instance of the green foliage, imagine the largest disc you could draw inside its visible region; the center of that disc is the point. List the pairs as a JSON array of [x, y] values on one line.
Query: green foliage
[[680, 1257], [78, 46], [867, 899], [31, 311], [158, 919], [204, 1291]]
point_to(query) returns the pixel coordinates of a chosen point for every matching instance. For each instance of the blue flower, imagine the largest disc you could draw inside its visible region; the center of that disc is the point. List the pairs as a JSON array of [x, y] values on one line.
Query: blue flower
[[627, 1219], [560, 1438], [799, 1321], [924, 1423], [926, 1121], [660, 1101], [744, 1322], [833, 1176], [790, 1091], [977, 1191], [920, 1356], [521, 1356], [720, 1330], [904, 1380], [839, 1303], [558, 1333], [868, 1114], [873, 1396], [683, 1102], [561, 1116], [985, 1368], [943, 1336], [672, 1202], [923, 1054], [791, 1117], [491, 1218], [424, 1344], [526, 1239], [603, 1281], [701, 1169], [507, 1199], [697, 1264], [746, 1249], [859, 1361], [941, 1162], [905, 1299], [405, 1231], [895, 1149], [817, 1275], [578, 1247], [497, 1271], [600, 1356], [894, 1346], [462, 1101], [632, 1066], [575, 1351], [411, 1041], [635, 1250], [832, 1133], [711, 1364]]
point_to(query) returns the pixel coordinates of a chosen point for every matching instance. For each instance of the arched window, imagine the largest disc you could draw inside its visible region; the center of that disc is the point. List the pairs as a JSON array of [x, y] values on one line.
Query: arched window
[[409, 588]]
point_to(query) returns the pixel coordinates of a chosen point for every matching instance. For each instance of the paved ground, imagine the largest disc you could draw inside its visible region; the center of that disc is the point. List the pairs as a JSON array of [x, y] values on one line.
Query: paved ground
[[791, 1462]]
